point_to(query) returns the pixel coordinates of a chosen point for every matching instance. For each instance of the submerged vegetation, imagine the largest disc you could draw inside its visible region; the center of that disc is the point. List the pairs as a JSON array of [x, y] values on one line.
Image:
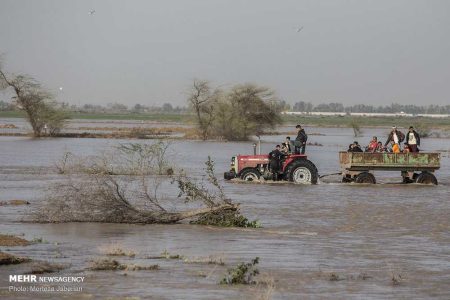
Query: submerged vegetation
[[226, 219], [123, 187], [243, 273], [107, 264]]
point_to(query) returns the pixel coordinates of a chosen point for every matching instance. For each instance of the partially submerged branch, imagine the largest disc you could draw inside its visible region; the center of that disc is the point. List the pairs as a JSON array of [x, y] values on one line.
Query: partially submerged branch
[[93, 192]]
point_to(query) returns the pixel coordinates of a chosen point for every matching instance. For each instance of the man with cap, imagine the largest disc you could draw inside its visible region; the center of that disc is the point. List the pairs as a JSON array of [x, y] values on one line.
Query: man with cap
[[396, 136], [300, 140]]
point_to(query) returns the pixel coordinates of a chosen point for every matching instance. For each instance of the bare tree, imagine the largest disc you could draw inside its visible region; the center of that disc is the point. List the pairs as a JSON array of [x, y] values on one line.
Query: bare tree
[[202, 101], [42, 111]]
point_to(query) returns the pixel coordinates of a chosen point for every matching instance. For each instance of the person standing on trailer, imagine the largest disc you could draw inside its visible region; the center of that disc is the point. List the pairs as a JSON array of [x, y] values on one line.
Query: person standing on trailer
[[395, 137], [413, 140]]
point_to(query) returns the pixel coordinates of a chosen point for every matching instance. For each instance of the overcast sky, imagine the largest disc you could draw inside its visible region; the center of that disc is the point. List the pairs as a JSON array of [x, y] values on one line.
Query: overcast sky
[[148, 52]]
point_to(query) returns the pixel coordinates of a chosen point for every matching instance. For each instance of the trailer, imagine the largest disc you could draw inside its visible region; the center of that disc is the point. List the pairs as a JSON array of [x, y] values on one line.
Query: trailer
[[415, 167]]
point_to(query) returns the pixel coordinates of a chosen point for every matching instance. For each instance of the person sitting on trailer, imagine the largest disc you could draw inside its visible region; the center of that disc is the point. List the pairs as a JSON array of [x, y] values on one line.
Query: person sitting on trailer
[[356, 147], [395, 148], [406, 148], [372, 147], [380, 147]]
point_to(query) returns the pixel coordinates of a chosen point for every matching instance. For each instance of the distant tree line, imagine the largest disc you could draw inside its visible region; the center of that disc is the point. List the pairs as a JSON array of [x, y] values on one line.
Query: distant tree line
[[108, 108], [364, 108], [122, 108]]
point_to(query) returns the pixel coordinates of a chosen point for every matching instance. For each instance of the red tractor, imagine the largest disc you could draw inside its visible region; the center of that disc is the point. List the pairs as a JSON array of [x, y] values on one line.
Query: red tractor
[[294, 167]]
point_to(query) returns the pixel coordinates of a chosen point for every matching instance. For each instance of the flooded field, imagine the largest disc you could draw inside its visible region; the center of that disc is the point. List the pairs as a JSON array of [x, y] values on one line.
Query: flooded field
[[330, 240]]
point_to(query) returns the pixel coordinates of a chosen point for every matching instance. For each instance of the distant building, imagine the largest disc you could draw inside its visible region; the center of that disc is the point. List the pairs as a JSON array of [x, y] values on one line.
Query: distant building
[[399, 114]]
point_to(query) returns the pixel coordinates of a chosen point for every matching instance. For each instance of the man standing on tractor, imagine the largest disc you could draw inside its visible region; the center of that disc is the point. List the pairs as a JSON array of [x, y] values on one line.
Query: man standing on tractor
[[300, 140], [275, 157]]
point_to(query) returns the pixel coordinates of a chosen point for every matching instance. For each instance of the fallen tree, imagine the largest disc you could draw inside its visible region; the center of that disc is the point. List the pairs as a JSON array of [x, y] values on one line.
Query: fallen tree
[[126, 191]]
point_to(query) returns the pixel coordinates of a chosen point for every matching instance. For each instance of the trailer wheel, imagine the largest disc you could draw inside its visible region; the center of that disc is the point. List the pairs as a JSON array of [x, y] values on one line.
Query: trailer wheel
[[302, 171], [250, 174], [365, 177], [426, 178]]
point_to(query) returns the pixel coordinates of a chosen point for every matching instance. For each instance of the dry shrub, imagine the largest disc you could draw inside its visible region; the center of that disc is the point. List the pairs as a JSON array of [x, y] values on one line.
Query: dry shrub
[[8, 259], [265, 287]]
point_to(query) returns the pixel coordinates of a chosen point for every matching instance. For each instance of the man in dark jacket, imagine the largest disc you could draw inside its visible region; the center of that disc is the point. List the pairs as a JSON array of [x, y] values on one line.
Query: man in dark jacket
[[395, 136], [355, 147], [413, 140], [275, 157], [300, 140]]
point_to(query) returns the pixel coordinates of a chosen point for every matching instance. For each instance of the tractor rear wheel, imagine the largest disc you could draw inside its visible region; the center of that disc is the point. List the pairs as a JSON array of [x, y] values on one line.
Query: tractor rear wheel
[[250, 174], [426, 178], [302, 171], [365, 177]]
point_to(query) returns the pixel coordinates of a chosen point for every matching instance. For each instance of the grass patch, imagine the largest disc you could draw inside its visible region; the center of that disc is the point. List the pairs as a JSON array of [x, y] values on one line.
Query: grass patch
[[114, 250], [107, 264], [210, 260], [45, 267], [10, 241], [14, 202]]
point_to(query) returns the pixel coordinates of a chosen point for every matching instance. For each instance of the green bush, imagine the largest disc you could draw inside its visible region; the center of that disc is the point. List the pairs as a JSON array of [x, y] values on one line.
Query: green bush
[[243, 273]]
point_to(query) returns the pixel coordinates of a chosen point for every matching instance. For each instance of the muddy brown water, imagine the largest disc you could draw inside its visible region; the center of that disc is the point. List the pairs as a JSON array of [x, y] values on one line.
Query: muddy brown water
[[363, 234]]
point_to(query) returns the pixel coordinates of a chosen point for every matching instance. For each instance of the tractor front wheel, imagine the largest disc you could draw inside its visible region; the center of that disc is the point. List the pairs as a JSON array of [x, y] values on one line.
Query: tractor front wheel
[[250, 174]]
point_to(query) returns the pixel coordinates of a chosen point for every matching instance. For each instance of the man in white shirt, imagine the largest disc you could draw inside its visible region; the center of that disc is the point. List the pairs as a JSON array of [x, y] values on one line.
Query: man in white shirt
[[395, 136], [413, 140]]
